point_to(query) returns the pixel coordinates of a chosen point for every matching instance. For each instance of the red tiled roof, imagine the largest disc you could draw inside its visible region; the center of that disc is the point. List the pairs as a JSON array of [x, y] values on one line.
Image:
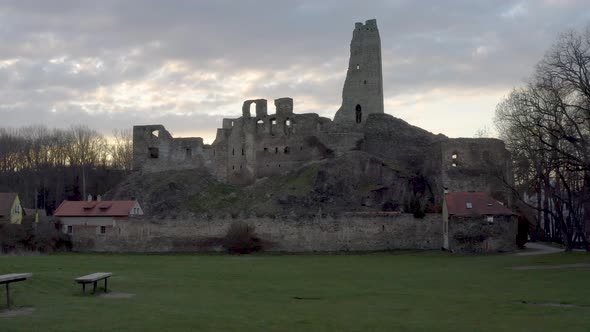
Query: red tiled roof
[[94, 209], [481, 204], [6, 201]]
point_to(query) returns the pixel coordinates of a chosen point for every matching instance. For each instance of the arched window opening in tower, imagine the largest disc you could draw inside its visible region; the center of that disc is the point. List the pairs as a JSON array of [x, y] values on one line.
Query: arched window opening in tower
[[273, 125], [260, 125], [286, 150], [233, 152], [455, 159], [253, 109], [358, 67], [359, 114], [154, 153], [189, 152], [242, 151], [289, 126], [276, 150]]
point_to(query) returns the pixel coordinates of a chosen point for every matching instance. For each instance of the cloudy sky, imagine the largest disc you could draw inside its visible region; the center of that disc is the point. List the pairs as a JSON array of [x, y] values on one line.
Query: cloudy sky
[[187, 64]]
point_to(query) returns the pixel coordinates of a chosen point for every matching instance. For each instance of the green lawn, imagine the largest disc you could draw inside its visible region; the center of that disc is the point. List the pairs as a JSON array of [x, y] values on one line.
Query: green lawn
[[400, 291]]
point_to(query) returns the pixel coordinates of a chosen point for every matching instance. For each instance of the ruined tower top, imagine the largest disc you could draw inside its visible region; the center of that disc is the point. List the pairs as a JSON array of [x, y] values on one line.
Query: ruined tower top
[[363, 88]]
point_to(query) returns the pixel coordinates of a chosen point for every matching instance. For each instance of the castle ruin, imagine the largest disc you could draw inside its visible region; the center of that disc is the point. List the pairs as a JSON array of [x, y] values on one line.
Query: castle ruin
[[260, 145]]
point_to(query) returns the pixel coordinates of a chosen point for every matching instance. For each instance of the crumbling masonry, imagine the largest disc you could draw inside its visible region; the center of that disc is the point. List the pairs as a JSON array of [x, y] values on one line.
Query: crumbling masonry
[[261, 145]]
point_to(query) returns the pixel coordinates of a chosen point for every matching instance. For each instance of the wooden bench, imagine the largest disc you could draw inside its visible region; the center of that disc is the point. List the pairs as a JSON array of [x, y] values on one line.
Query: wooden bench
[[10, 278], [94, 278]]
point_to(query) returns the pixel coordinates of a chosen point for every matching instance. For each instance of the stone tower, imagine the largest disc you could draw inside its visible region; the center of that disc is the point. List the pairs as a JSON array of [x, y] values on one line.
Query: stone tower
[[363, 89]]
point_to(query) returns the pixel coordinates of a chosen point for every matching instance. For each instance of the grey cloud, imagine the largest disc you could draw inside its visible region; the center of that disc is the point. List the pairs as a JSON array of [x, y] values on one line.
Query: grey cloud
[[426, 44]]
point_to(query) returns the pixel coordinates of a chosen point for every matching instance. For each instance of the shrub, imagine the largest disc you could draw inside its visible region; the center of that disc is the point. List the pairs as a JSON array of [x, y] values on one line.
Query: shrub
[[42, 237], [240, 239]]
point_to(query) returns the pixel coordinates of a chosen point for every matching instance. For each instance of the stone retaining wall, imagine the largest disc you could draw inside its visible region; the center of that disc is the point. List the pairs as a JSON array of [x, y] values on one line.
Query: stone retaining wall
[[348, 232]]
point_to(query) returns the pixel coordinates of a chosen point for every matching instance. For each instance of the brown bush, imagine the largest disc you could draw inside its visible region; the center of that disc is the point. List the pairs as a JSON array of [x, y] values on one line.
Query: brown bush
[[241, 239]]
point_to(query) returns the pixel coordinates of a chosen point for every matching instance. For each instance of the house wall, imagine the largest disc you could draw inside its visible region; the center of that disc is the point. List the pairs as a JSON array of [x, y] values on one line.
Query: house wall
[[476, 235], [16, 212], [349, 232]]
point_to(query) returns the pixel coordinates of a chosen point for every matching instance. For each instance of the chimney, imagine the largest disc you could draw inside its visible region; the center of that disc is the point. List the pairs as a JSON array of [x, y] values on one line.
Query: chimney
[[89, 198]]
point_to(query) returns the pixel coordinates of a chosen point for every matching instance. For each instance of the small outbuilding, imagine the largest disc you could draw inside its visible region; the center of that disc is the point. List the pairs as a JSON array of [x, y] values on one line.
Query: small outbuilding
[[11, 210], [475, 222], [98, 217]]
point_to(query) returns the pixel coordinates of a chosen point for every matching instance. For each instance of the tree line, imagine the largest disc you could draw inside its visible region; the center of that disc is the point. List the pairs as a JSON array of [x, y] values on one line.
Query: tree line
[[47, 165], [546, 126]]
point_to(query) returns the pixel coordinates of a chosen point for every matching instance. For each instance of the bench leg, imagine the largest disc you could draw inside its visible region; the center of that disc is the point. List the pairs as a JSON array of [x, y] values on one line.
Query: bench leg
[[7, 296], [105, 284], [94, 289]]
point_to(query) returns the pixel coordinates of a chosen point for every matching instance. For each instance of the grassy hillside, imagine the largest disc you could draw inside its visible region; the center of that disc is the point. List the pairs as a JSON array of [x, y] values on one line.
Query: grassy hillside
[[355, 181]]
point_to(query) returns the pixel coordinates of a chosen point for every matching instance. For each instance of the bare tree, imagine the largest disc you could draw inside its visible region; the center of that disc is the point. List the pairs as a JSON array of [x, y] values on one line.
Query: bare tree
[[546, 125], [122, 149]]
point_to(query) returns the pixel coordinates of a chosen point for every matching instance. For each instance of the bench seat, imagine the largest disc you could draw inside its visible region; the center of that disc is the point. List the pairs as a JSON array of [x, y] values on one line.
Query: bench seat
[[12, 277], [5, 278], [94, 278]]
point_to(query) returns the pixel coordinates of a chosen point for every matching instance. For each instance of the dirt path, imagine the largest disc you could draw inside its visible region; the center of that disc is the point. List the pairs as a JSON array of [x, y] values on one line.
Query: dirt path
[[538, 249], [550, 267]]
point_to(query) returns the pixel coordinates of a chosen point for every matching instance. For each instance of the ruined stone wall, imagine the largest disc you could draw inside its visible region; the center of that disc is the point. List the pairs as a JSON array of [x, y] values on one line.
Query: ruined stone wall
[[476, 164], [363, 88], [268, 144], [154, 149], [349, 232], [477, 235]]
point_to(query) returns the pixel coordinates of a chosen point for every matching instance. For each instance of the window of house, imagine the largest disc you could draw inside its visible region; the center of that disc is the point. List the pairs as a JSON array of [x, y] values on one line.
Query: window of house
[[277, 150], [490, 219], [358, 67], [286, 150], [17, 208], [189, 152], [265, 149], [233, 152], [469, 205], [103, 229], [70, 229], [455, 158]]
